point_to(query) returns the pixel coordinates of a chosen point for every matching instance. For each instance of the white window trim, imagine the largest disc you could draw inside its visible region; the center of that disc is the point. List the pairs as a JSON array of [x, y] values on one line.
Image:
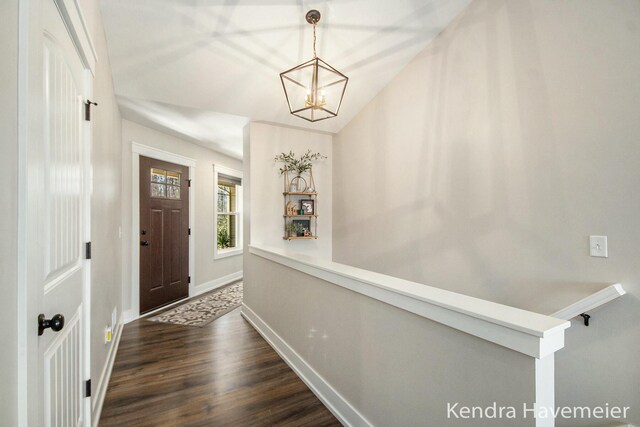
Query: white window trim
[[225, 253]]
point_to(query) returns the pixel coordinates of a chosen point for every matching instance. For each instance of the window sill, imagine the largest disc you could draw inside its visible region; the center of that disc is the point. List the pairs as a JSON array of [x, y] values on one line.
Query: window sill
[[225, 253]]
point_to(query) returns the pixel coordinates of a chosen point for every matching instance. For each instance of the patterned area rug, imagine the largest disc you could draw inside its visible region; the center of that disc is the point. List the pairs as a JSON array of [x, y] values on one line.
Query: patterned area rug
[[205, 309]]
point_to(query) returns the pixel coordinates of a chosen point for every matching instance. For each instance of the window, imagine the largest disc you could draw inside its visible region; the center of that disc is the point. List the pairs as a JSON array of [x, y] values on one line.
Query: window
[[228, 211], [165, 184]]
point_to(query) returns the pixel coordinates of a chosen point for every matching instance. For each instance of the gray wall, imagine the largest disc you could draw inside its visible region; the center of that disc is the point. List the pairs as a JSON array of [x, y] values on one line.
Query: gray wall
[[9, 223], [207, 269], [486, 164], [267, 226], [106, 263], [395, 368]]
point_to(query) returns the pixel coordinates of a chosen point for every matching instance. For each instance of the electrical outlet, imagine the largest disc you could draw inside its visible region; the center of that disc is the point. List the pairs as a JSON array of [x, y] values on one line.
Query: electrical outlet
[[107, 334]]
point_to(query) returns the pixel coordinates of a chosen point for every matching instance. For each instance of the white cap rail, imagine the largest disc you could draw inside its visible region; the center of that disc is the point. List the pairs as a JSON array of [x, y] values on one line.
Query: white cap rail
[[524, 331], [594, 300]]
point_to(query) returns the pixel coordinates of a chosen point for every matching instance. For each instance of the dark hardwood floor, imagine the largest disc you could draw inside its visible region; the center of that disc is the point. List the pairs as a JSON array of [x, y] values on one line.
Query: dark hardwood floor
[[223, 374]]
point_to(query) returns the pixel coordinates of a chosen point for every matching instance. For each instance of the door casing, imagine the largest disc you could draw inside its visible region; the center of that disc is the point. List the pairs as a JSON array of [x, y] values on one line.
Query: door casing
[[161, 284], [138, 150]]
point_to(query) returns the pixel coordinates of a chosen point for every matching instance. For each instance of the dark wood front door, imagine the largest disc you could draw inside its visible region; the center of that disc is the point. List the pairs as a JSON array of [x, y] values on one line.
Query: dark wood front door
[[164, 233]]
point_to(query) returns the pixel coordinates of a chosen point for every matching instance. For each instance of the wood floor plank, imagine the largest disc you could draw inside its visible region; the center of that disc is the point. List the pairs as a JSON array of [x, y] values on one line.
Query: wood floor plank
[[223, 374]]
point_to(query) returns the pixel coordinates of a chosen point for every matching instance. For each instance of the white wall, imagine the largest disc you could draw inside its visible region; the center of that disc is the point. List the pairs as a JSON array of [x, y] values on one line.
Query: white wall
[[486, 164], [207, 269], [106, 199], [393, 367], [9, 223], [266, 186]]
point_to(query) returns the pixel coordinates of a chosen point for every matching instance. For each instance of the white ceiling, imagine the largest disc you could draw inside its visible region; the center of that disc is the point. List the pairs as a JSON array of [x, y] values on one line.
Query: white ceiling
[[203, 68]]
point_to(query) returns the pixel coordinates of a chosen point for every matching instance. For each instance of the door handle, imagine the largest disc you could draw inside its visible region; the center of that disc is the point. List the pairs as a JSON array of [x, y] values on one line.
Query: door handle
[[144, 243], [56, 323]]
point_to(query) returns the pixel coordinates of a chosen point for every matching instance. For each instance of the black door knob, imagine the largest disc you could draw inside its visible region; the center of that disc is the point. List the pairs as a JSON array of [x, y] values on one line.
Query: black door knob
[[56, 323], [144, 243]]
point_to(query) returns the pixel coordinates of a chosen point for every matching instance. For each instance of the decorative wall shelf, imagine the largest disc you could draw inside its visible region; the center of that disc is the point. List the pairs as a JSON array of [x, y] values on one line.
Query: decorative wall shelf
[[299, 237], [296, 193], [293, 201]]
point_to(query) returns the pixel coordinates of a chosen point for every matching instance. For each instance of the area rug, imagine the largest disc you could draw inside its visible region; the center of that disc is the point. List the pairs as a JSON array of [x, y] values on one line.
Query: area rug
[[205, 309]]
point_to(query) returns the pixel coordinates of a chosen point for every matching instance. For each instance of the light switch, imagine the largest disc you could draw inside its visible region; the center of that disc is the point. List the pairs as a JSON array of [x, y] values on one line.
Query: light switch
[[598, 246]]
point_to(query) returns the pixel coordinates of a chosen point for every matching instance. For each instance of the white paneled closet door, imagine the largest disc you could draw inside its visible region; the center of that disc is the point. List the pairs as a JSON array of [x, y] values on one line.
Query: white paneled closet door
[[57, 202]]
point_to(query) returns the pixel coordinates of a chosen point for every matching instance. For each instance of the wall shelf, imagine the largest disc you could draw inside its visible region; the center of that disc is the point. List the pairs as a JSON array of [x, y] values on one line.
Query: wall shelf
[[296, 193], [293, 208]]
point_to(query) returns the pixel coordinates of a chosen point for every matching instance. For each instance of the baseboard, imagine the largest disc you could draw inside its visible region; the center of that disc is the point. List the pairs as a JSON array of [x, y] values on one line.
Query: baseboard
[[105, 376], [217, 283], [335, 402]]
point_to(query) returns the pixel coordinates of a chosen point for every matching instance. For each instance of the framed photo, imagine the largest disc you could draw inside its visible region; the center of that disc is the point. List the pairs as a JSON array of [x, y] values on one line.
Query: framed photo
[[305, 223], [308, 206]]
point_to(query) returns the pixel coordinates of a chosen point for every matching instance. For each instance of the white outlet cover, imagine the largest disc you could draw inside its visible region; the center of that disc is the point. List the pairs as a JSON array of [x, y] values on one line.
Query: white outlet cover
[[598, 246]]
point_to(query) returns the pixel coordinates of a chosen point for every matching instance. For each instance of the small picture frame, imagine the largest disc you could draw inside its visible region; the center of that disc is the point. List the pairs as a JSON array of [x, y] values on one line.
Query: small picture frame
[[306, 225], [308, 206]]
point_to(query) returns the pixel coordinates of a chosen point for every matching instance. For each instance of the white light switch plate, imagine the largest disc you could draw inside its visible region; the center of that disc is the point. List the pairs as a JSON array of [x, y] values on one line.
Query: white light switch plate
[[598, 246]]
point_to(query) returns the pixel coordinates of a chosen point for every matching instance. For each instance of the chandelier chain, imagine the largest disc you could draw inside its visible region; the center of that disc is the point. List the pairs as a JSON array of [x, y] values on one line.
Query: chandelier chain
[[314, 41]]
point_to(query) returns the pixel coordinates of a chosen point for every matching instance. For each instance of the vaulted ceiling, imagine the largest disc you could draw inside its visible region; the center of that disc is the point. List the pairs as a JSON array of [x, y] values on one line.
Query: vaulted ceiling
[[204, 68]]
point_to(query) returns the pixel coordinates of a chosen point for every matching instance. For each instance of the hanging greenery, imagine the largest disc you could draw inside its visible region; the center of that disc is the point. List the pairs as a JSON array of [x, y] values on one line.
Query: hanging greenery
[[298, 165], [294, 228]]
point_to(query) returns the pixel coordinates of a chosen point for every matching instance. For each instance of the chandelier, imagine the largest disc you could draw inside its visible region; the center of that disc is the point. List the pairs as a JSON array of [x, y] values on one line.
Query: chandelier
[[314, 89]]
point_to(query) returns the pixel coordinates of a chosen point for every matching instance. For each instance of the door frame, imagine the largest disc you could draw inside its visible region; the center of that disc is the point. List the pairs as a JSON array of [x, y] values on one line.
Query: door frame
[[138, 150], [29, 39]]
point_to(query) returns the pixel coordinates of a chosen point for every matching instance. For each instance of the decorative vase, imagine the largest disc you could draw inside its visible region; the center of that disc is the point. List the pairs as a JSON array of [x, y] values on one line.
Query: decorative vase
[[312, 185], [298, 185]]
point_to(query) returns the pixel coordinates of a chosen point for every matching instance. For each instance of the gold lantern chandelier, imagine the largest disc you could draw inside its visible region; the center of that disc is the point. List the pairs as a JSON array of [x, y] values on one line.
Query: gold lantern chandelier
[[314, 89]]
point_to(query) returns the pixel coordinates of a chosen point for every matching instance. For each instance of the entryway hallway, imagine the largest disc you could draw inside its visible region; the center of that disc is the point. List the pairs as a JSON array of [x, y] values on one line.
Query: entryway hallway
[[222, 374]]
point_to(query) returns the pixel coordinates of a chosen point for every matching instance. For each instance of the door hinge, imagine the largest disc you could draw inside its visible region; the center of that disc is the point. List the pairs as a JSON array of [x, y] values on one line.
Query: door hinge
[[189, 232], [87, 388], [189, 279], [87, 250], [189, 183], [87, 109]]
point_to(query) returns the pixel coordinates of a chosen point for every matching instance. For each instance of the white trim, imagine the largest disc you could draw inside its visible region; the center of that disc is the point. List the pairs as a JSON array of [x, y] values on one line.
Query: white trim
[[158, 154], [105, 376], [77, 26], [595, 300], [23, 323], [87, 128], [138, 150], [334, 401], [545, 389], [225, 253], [159, 309], [529, 333], [217, 283]]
